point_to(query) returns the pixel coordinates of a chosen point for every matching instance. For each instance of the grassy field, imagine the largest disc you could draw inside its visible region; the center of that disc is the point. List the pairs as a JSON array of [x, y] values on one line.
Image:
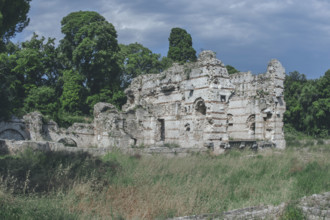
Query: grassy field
[[117, 186]]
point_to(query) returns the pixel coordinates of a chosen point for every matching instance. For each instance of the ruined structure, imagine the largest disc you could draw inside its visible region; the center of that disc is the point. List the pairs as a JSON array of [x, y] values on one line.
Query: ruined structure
[[196, 105]]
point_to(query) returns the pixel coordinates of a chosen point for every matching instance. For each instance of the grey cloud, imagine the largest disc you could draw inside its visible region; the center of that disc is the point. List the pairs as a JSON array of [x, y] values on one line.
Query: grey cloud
[[245, 34]]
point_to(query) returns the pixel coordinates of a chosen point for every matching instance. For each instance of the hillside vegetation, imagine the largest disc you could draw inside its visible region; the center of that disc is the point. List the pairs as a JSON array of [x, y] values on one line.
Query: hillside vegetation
[[117, 186]]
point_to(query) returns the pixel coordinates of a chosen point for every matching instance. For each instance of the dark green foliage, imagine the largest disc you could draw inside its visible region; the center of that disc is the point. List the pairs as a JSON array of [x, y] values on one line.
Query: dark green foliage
[[292, 212], [66, 119], [13, 18], [23, 68], [137, 60], [36, 61], [166, 63], [180, 46], [308, 103], [116, 97], [44, 172], [10, 86], [73, 92], [43, 99], [90, 47], [231, 69]]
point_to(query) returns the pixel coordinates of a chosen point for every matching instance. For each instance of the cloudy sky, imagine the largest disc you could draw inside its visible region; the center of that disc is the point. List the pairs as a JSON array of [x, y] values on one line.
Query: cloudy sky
[[244, 33]]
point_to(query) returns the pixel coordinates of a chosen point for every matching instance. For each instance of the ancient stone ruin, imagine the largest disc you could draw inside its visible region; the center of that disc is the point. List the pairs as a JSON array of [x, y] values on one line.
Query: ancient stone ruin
[[195, 105]]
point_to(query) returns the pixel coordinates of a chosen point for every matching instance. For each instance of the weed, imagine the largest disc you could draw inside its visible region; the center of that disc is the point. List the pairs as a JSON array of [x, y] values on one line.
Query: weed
[[292, 212]]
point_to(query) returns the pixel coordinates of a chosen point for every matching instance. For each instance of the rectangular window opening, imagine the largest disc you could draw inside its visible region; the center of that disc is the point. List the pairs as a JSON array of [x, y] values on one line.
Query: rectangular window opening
[[162, 129], [223, 98]]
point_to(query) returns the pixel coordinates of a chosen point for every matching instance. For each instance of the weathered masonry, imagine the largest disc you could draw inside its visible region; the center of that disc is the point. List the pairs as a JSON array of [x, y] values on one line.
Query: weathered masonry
[[196, 105]]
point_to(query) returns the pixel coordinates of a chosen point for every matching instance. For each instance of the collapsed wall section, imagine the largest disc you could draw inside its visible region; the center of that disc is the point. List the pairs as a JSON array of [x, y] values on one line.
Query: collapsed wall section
[[257, 107]]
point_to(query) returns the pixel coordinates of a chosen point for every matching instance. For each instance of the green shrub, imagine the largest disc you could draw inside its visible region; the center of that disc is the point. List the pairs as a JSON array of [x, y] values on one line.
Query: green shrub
[[292, 212], [43, 172], [65, 119]]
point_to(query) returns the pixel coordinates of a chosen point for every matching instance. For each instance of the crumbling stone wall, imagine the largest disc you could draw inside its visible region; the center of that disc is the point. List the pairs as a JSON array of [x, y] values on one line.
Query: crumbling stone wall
[[195, 105], [256, 108], [200, 105], [13, 129]]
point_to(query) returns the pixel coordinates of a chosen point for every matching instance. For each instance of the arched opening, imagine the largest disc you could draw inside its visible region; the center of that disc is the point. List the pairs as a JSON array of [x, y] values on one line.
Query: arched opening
[[251, 124], [199, 106], [68, 142], [11, 134]]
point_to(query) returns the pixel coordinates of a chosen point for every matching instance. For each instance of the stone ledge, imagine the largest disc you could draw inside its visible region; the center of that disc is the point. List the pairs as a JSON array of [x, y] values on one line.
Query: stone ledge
[[313, 207], [14, 147]]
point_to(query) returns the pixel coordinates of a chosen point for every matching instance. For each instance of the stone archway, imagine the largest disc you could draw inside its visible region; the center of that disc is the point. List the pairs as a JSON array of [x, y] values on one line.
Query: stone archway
[[251, 124], [11, 134], [68, 142], [199, 106]]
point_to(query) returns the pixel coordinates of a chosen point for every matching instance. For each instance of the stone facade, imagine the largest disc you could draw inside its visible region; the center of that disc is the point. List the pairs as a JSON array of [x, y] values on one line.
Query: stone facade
[[196, 105]]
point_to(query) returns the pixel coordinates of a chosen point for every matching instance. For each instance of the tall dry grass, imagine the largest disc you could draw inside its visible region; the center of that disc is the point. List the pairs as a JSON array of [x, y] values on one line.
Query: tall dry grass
[[145, 187], [159, 187]]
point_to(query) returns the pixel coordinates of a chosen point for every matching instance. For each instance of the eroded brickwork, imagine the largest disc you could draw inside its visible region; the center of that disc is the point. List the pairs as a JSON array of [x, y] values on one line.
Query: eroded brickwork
[[195, 105]]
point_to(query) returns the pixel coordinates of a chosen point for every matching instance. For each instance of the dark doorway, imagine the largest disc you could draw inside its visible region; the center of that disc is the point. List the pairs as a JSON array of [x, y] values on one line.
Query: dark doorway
[[162, 129]]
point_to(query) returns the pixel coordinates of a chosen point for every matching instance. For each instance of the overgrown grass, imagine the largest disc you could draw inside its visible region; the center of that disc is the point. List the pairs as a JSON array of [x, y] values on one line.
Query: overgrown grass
[[118, 186], [33, 207]]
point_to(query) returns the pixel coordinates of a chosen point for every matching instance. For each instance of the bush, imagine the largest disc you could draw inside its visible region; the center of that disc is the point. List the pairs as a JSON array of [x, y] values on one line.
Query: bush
[[43, 172], [65, 119], [292, 212]]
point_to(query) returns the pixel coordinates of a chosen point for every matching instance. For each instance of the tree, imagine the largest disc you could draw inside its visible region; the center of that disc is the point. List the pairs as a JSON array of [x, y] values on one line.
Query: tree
[[308, 103], [231, 69], [11, 82], [180, 46], [42, 99], [37, 62], [13, 18], [24, 67], [137, 60], [115, 96], [8, 84], [293, 85], [90, 47], [73, 92], [322, 105]]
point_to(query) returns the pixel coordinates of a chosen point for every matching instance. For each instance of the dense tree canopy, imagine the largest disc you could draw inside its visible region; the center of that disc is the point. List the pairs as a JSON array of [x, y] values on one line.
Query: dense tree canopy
[[90, 47], [73, 92], [13, 18], [43, 99], [308, 103], [24, 67], [137, 60], [180, 46]]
